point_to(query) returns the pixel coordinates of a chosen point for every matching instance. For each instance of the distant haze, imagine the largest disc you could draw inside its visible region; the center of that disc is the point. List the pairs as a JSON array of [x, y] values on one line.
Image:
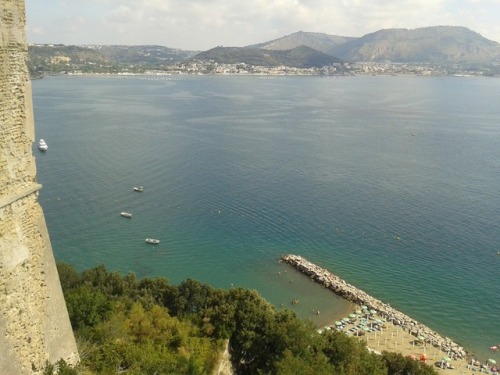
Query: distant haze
[[204, 24]]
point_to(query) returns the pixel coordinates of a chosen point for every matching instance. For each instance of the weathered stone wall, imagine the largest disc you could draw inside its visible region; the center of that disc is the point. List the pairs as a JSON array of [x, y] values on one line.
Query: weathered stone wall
[[34, 323], [16, 120]]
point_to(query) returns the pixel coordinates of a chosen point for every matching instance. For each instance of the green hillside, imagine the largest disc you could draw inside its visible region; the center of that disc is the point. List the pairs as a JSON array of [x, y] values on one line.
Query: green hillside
[[147, 326], [300, 57], [54, 59]]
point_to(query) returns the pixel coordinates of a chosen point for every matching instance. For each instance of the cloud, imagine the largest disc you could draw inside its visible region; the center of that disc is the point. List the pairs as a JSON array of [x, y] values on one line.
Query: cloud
[[203, 24]]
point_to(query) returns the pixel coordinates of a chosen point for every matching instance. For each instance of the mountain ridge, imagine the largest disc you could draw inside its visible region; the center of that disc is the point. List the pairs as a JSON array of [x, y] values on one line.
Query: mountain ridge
[[319, 41], [301, 56], [437, 45], [425, 44]]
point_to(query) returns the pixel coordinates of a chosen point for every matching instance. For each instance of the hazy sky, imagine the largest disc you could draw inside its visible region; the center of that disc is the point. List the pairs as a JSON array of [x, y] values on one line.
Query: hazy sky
[[204, 24]]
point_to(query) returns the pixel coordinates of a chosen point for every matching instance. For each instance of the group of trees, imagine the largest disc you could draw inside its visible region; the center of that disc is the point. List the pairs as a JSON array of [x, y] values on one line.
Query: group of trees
[[147, 326]]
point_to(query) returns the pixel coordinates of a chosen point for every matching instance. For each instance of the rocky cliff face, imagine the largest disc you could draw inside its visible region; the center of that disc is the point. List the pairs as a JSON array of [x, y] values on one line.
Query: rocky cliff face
[[34, 323]]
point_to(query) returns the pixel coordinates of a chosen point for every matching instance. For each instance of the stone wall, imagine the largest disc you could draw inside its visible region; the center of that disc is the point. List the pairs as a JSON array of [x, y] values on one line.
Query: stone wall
[[34, 323]]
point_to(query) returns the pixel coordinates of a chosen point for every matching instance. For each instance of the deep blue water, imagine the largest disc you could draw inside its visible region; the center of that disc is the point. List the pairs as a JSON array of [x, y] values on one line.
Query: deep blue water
[[392, 183]]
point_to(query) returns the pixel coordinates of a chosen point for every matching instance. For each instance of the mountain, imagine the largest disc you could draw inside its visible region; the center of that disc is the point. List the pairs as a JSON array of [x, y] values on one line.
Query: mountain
[[437, 44], [300, 56], [427, 45], [318, 41]]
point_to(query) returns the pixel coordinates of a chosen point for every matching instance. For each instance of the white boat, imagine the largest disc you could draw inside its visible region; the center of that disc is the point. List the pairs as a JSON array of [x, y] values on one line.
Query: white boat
[[138, 188], [152, 240], [42, 145], [126, 214]]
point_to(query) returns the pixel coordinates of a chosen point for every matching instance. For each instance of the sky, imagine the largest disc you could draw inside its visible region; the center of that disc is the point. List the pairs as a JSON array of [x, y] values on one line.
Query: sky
[[204, 24]]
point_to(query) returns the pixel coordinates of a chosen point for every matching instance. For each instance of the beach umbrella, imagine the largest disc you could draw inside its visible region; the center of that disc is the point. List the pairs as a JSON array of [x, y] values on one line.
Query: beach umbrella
[[364, 307], [492, 361], [337, 323], [446, 359], [373, 312], [352, 316], [358, 312], [345, 320]]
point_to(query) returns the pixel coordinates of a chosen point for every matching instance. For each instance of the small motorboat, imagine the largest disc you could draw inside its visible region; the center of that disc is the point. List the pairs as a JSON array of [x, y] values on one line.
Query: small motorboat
[[152, 240], [42, 145], [140, 189], [126, 214]]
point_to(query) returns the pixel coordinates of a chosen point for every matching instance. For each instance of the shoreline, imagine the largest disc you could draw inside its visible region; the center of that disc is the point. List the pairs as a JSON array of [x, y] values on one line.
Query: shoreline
[[352, 294]]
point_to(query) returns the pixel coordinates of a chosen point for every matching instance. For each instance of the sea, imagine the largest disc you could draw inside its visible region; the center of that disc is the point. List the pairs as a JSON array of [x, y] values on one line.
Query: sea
[[390, 182]]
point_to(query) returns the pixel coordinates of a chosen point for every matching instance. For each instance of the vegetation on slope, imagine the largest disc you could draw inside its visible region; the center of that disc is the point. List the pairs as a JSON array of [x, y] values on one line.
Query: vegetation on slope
[[438, 44], [57, 58], [300, 57], [318, 41], [148, 326]]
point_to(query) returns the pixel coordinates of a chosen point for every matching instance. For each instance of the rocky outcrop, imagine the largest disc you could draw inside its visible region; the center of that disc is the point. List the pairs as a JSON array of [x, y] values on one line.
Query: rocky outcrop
[[34, 323], [357, 296]]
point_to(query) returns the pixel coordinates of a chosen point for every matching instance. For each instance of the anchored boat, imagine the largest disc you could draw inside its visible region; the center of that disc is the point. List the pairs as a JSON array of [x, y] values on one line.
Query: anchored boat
[[42, 145]]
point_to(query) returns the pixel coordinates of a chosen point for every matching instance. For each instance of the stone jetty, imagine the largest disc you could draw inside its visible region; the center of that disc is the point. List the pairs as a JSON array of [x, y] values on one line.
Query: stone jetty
[[357, 296]]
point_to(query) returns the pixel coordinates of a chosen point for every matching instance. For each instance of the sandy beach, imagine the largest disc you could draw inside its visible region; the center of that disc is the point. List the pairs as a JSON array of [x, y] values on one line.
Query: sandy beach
[[393, 338], [385, 329]]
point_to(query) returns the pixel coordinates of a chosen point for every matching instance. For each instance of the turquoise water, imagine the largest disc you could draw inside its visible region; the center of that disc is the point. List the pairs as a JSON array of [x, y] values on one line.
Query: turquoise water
[[392, 183]]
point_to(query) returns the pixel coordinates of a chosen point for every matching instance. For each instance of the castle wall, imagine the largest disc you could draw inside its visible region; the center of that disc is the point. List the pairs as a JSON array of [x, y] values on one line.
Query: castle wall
[[34, 323]]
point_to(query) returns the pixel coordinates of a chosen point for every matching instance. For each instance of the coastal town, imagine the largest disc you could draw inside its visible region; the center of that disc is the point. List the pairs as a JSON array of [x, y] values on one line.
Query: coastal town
[[337, 69], [58, 59]]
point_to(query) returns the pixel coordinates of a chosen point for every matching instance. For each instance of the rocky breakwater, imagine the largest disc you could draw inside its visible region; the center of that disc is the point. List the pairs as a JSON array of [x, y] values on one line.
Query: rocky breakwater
[[357, 296]]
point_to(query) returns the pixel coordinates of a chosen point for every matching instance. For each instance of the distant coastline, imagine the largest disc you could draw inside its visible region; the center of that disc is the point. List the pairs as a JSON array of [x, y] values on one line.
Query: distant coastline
[[335, 70], [432, 50]]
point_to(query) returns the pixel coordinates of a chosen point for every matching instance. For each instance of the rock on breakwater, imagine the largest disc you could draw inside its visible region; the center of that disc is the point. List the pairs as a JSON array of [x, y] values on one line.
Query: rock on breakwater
[[359, 297]]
